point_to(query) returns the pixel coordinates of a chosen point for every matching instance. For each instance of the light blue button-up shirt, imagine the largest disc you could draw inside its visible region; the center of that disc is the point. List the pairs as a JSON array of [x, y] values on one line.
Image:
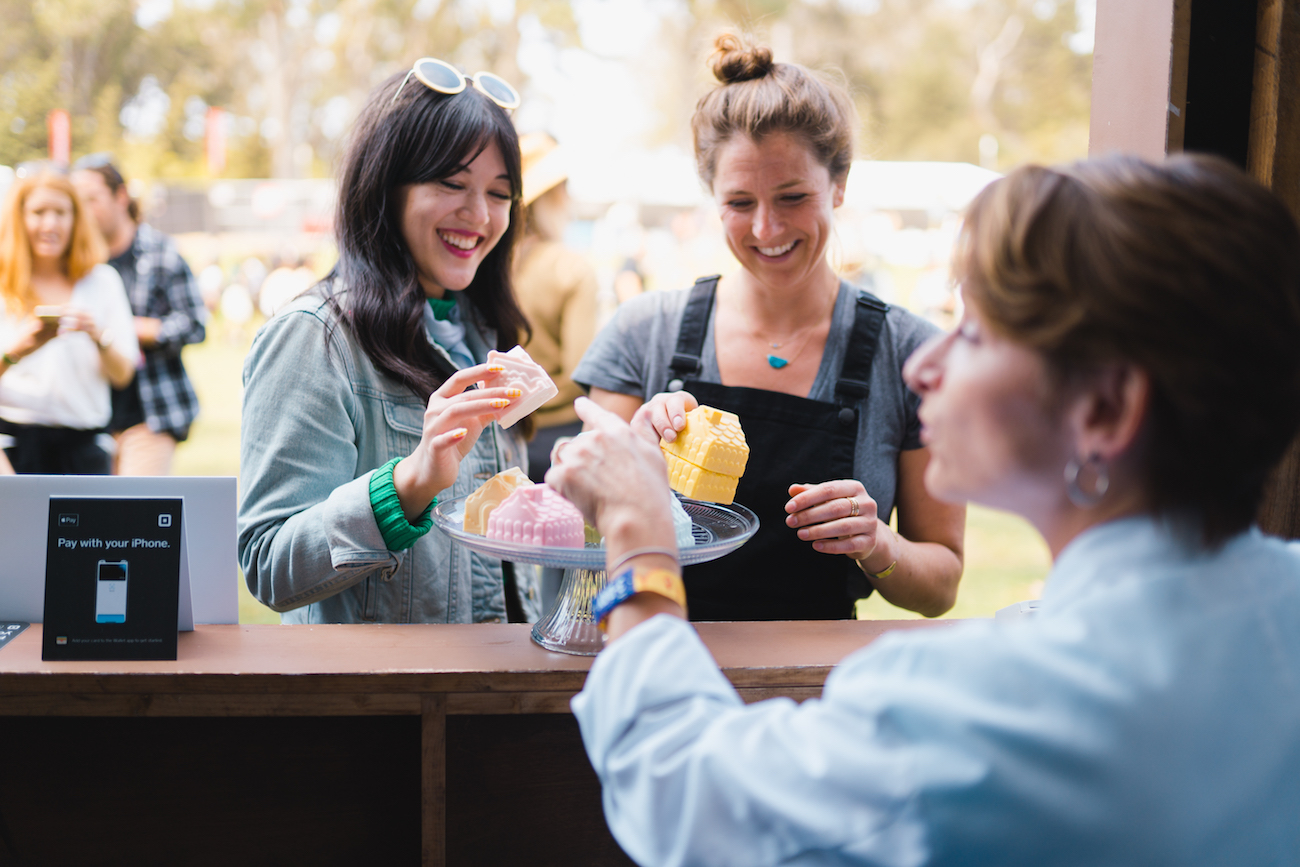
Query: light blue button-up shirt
[[1149, 713]]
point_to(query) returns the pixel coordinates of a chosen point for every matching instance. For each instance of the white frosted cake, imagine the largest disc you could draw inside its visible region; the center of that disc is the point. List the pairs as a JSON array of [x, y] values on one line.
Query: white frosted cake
[[526, 375]]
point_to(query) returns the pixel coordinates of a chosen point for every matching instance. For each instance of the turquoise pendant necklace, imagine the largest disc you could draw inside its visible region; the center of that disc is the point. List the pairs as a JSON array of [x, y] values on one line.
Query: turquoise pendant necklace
[[776, 362]]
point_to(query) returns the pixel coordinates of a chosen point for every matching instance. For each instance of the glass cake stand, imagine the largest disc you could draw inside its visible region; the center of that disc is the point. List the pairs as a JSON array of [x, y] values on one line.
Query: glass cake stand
[[568, 627]]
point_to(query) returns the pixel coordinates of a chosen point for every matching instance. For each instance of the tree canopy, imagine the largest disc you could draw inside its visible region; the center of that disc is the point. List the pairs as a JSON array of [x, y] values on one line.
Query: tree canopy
[[992, 81]]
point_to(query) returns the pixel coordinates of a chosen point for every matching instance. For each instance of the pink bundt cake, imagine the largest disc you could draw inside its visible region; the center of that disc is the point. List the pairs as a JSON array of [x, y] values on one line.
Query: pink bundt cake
[[536, 515]]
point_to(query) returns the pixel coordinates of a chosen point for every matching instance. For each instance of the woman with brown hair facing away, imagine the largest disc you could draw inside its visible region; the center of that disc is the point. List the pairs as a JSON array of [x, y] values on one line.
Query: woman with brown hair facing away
[[65, 328], [811, 365], [1125, 374]]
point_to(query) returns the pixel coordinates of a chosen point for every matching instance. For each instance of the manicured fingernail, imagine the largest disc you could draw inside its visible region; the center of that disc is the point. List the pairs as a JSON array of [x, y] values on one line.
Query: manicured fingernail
[[459, 432], [500, 402], [496, 368], [514, 392]]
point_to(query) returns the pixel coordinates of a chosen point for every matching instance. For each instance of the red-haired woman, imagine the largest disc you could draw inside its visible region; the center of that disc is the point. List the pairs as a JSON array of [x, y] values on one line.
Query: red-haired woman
[[65, 331]]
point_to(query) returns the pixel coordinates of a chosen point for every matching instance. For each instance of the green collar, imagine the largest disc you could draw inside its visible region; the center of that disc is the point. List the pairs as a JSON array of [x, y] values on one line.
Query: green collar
[[442, 307]]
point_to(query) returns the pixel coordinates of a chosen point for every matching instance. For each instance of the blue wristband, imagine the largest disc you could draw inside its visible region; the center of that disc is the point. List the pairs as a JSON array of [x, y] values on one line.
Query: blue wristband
[[631, 581], [615, 593]]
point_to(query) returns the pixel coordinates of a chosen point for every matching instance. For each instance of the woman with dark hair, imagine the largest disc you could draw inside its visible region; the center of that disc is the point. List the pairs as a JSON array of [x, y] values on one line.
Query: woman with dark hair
[[359, 402], [810, 364], [66, 332], [1126, 373]]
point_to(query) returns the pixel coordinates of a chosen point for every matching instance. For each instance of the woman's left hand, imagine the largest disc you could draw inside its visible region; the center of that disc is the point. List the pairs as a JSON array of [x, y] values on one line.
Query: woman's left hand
[[118, 369], [75, 319], [838, 517]]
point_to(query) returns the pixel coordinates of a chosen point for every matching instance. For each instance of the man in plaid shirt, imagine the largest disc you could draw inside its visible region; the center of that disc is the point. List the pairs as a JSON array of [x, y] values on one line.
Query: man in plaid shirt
[[155, 411]]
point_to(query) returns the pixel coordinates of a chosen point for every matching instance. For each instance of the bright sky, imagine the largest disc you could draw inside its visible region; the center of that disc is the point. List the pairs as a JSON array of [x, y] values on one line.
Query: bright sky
[[590, 99]]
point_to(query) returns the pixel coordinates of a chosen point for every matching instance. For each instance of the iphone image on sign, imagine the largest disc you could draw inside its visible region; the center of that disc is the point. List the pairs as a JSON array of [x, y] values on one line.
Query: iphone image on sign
[[110, 592]]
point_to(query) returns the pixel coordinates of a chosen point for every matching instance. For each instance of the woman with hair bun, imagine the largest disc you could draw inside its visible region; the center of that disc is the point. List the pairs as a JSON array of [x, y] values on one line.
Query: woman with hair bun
[[810, 364], [360, 409]]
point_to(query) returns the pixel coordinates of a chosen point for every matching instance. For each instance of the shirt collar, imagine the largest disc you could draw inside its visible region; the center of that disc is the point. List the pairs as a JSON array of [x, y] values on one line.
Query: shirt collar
[[1117, 551], [444, 308]]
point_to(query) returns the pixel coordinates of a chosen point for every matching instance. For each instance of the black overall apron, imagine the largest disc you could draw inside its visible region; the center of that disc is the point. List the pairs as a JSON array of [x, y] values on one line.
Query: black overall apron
[[776, 575]]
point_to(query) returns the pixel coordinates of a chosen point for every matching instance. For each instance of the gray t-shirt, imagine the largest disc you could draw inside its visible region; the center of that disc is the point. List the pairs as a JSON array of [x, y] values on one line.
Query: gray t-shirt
[[630, 355]]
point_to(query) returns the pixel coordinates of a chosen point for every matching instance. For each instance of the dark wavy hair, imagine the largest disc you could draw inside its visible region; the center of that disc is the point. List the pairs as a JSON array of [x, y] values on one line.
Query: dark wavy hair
[[425, 136]]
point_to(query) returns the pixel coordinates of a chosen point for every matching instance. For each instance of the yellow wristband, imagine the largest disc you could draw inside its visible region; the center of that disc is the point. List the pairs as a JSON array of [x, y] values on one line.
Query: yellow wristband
[[632, 581]]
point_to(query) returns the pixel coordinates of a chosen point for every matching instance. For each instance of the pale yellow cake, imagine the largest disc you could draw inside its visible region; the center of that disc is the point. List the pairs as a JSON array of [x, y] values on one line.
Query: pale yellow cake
[[479, 505], [698, 483]]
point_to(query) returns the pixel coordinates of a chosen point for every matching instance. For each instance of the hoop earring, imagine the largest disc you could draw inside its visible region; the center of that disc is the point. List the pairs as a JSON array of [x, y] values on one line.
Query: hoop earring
[[1081, 498]]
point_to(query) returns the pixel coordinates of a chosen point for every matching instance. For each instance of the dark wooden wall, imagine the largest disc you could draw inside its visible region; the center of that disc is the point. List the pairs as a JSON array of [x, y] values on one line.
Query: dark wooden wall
[[1273, 156]]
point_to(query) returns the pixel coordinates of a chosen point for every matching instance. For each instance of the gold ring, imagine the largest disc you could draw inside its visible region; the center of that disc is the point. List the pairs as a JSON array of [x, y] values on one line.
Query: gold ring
[[853, 506]]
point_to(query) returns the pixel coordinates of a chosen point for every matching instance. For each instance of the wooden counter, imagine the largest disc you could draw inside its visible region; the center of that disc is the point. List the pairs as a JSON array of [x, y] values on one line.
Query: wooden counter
[[374, 744]]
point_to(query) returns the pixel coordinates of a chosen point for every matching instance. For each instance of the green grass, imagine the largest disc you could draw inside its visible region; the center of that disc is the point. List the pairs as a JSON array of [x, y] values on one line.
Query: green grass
[[216, 367], [1006, 560]]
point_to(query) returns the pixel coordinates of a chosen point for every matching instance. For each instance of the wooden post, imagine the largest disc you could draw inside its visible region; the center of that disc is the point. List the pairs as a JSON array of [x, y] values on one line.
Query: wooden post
[[433, 780], [1181, 38], [1274, 159]]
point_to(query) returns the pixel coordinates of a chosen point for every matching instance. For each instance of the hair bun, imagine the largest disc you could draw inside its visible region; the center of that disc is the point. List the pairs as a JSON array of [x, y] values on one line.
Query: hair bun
[[736, 60]]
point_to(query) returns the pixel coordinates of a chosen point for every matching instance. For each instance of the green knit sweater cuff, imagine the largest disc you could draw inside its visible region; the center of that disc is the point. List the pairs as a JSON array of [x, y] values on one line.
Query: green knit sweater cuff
[[399, 533]]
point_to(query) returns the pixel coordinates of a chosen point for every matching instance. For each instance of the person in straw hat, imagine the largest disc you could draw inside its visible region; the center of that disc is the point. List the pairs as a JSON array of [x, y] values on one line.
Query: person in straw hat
[[556, 288]]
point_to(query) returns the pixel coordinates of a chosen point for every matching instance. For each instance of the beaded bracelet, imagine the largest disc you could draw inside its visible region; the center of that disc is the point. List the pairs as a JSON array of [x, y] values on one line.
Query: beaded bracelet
[[637, 552]]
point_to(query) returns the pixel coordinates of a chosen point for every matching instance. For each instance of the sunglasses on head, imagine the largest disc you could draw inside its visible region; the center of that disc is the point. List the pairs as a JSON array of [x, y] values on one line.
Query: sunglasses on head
[[94, 161], [442, 77], [103, 164], [31, 168]]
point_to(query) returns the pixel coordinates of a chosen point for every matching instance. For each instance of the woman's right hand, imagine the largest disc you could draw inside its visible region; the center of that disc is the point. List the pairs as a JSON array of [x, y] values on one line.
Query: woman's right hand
[[453, 421], [665, 413], [33, 333]]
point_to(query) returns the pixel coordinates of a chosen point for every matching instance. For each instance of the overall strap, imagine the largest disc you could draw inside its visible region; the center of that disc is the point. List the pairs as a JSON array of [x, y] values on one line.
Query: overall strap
[[695, 322], [855, 376]]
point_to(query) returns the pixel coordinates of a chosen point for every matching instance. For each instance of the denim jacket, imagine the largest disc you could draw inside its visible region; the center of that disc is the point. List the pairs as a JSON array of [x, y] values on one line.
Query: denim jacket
[[318, 419]]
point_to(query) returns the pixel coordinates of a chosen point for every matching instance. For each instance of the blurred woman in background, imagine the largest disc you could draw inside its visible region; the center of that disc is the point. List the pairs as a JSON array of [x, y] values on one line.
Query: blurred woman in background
[[66, 331]]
